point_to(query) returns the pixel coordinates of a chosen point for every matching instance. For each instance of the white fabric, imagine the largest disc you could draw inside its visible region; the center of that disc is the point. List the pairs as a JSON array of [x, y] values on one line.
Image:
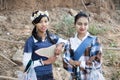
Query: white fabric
[[26, 58], [82, 64], [30, 74], [75, 42], [37, 63], [95, 74], [67, 56], [61, 40]]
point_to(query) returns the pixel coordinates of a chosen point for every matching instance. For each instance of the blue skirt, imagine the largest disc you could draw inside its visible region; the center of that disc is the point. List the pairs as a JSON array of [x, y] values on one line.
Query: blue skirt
[[45, 77]]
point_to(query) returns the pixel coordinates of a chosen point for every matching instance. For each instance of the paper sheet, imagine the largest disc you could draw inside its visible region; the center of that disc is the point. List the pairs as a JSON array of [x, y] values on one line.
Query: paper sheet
[[47, 52]]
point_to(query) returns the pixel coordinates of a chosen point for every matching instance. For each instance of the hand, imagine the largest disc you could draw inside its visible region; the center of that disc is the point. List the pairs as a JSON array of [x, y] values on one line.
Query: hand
[[77, 63], [89, 62], [74, 63], [50, 60], [92, 58], [98, 57], [59, 49]]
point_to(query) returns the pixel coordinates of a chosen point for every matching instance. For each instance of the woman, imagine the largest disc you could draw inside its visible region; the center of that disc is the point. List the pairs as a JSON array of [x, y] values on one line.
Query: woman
[[83, 51], [41, 38]]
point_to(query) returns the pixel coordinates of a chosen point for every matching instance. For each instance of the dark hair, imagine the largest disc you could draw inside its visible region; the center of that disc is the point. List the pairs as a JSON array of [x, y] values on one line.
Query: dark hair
[[81, 14], [34, 33], [37, 20]]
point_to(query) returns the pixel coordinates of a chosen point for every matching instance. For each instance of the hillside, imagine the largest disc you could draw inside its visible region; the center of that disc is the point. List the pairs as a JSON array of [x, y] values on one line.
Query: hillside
[[15, 27]]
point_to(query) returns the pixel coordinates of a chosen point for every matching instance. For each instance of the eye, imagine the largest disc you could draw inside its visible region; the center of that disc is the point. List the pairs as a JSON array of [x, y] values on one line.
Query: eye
[[79, 23], [46, 21]]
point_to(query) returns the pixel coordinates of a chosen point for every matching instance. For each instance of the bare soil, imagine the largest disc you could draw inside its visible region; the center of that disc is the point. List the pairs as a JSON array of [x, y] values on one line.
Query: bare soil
[[16, 27]]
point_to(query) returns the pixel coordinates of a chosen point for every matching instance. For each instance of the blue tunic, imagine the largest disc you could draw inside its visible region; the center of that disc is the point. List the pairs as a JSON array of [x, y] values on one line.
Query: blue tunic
[[32, 44]]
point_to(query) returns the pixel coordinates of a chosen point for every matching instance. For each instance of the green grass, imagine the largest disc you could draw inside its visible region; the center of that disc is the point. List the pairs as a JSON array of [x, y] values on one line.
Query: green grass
[[115, 75], [95, 29], [111, 58], [65, 26], [113, 44]]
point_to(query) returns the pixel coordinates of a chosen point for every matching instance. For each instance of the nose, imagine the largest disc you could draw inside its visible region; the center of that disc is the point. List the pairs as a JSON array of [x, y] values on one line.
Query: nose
[[82, 26]]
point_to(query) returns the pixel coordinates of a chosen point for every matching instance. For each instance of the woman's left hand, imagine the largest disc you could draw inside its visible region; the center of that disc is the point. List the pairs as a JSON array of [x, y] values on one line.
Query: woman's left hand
[[77, 63], [59, 49], [50, 60]]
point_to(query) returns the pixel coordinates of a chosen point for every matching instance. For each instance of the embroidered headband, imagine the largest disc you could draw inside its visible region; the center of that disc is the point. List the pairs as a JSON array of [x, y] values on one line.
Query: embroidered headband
[[38, 14]]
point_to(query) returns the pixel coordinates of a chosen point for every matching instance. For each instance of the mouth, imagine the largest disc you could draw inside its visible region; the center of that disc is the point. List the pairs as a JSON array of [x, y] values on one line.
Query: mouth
[[81, 29], [44, 28]]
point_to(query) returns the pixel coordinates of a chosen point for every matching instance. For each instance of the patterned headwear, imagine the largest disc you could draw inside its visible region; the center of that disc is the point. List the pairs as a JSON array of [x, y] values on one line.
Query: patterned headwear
[[39, 13]]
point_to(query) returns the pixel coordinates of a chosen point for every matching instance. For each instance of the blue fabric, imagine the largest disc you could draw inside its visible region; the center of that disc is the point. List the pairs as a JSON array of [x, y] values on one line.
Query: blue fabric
[[45, 77], [95, 48], [31, 46], [43, 70], [28, 48], [81, 49]]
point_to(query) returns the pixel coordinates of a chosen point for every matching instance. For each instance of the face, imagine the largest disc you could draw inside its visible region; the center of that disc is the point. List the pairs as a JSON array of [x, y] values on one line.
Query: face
[[82, 25], [42, 26]]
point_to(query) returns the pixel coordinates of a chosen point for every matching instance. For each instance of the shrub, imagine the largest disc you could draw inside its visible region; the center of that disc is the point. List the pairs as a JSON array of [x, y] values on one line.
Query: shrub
[[65, 26]]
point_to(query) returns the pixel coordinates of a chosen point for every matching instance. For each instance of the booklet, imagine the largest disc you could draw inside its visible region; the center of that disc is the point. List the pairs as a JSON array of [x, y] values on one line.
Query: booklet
[[47, 52]]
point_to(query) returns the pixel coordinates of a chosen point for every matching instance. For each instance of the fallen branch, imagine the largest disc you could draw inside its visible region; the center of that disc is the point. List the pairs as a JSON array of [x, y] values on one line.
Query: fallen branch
[[117, 49], [84, 5], [16, 42], [7, 77], [8, 59], [72, 12]]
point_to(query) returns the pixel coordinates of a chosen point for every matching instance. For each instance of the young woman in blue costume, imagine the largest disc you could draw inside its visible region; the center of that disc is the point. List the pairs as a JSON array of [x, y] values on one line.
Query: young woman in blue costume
[[83, 51], [41, 38]]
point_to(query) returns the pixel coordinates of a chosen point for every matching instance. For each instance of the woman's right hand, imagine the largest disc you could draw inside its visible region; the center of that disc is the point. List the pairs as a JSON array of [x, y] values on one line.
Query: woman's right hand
[[74, 63], [90, 60], [50, 60]]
